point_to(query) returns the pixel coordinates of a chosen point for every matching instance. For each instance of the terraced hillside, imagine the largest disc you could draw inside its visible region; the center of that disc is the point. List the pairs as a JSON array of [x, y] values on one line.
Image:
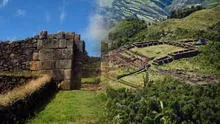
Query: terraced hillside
[[183, 61], [148, 10], [176, 53]]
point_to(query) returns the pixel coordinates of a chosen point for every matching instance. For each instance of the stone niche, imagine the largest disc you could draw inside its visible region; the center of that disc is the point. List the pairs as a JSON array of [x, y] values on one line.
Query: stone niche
[[59, 55]]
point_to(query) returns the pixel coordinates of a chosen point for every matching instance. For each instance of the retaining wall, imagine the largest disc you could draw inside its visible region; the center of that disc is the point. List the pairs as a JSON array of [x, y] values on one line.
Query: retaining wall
[[22, 109], [7, 83], [176, 56], [16, 56]]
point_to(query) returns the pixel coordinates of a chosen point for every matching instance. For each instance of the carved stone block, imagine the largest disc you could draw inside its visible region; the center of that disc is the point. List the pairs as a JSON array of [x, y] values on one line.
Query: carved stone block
[[67, 74], [35, 65], [58, 75], [47, 65], [63, 64], [46, 54], [63, 54], [35, 56], [62, 43]]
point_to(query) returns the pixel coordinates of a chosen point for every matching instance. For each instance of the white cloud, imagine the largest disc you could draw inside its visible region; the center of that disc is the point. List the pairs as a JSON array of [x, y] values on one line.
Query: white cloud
[[95, 32], [3, 3], [104, 3], [21, 12], [96, 29], [63, 12]]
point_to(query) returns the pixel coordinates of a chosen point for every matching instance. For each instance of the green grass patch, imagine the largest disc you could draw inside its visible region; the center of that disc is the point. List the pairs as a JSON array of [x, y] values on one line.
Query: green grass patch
[[205, 63], [19, 74], [108, 82], [157, 51], [78, 107], [91, 80], [136, 79]]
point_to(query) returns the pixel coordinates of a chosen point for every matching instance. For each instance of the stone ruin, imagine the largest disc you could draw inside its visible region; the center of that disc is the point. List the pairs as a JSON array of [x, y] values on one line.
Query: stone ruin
[[140, 61], [59, 55]]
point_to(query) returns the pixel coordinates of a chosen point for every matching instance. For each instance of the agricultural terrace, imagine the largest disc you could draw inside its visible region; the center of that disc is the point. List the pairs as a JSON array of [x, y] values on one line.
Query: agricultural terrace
[[157, 51]]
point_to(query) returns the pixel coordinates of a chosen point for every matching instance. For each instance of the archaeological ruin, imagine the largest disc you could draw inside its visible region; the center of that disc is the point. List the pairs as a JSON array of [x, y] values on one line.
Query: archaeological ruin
[[59, 55]]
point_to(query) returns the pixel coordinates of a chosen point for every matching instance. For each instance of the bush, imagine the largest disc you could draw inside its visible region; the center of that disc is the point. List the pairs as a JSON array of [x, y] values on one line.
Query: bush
[[167, 101], [181, 13]]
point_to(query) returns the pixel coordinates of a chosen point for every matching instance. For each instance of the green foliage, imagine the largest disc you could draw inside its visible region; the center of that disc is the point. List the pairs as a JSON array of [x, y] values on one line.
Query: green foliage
[[91, 80], [207, 62], [19, 74], [181, 13], [210, 56], [201, 24], [146, 79], [167, 101], [125, 30], [104, 48]]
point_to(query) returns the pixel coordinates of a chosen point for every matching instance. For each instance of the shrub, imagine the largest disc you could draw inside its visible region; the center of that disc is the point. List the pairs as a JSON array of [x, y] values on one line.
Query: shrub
[[167, 101]]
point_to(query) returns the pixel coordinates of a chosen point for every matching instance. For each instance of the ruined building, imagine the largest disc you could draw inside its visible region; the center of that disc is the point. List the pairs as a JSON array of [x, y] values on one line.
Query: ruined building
[[59, 55]]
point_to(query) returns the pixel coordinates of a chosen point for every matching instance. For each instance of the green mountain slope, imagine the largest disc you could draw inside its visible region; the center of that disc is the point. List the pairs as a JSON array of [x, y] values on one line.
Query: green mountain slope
[[204, 23], [200, 24]]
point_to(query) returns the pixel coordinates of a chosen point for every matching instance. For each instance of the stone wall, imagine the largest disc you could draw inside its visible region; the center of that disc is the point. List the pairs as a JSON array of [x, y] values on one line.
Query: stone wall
[[16, 56], [7, 83], [18, 111], [56, 54]]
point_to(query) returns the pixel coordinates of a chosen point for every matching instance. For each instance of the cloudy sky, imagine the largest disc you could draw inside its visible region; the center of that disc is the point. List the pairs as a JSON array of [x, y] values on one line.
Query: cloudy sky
[[25, 18]]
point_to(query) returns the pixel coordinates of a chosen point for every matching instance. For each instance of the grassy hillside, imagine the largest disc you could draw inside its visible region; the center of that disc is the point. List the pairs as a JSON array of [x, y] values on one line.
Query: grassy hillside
[[201, 24]]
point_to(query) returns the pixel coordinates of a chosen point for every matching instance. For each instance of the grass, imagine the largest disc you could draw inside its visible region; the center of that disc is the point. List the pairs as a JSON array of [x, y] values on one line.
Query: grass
[[207, 62], [19, 74], [116, 71], [201, 24], [22, 91], [78, 107], [90, 80], [136, 79], [157, 51], [188, 27], [189, 64], [109, 82]]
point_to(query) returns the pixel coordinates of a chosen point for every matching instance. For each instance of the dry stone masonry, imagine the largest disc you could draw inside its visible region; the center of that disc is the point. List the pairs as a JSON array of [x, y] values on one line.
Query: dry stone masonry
[[56, 54], [7, 83], [125, 57], [189, 52], [16, 56]]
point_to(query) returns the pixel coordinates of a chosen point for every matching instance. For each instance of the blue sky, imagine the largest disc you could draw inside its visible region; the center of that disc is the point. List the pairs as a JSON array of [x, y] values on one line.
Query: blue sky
[[24, 18]]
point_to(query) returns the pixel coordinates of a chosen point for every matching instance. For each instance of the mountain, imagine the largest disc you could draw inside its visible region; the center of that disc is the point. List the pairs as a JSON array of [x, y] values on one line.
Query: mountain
[[200, 24], [148, 10]]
